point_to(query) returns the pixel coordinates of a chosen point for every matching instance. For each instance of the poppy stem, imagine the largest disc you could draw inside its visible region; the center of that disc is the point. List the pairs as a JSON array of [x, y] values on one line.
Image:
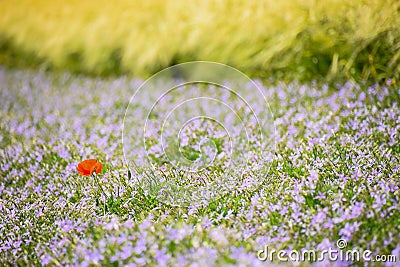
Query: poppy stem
[[101, 188]]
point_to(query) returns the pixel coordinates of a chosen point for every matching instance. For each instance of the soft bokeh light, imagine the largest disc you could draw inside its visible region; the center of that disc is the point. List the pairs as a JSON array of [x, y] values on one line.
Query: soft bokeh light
[[299, 38]]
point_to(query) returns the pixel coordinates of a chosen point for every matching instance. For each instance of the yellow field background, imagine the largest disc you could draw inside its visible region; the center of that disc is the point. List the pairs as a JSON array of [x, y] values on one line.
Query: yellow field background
[[300, 38]]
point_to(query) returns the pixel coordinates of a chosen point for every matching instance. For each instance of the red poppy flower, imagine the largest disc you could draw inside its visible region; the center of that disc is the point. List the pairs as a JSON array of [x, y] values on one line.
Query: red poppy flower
[[89, 166]]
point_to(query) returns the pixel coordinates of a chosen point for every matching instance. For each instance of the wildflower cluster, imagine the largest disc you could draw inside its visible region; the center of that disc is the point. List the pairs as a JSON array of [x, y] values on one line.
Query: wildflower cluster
[[334, 174]]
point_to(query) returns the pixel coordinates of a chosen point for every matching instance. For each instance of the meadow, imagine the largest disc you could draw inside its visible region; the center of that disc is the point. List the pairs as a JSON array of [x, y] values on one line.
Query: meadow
[[304, 156], [334, 175]]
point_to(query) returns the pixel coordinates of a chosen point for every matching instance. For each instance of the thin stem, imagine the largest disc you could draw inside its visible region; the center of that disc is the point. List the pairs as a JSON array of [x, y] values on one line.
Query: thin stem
[[101, 188], [98, 183]]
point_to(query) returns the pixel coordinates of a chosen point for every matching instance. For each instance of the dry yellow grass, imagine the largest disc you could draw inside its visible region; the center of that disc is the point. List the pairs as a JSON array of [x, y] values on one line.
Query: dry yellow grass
[[256, 36]]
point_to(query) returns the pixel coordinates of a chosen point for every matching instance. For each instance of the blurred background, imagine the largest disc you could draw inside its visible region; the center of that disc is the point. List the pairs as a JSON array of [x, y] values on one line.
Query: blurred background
[[292, 39]]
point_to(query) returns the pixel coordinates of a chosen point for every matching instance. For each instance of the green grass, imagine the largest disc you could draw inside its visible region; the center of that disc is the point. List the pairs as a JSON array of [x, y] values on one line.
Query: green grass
[[354, 165], [295, 39]]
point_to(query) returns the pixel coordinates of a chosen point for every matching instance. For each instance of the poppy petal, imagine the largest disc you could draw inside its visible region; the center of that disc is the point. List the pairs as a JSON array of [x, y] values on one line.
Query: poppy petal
[[88, 167], [82, 171], [92, 169], [98, 167], [87, 164]]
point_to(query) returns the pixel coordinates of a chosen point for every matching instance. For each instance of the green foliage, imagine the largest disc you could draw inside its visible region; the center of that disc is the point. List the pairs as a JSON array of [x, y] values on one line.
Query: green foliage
[[296, 39]]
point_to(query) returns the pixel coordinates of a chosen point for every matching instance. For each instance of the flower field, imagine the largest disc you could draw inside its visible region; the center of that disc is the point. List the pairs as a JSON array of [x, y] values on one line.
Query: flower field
[[334, 173], [302, 39]]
